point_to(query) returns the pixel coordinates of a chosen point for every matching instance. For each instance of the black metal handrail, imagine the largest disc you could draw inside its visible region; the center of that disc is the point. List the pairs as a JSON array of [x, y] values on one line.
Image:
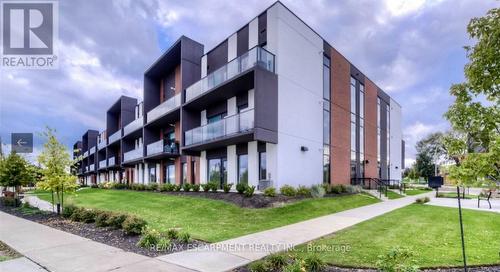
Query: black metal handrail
[[367, 183]]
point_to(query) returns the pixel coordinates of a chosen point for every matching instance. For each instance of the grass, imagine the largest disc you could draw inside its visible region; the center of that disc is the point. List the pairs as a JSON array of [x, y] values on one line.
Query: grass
[[7, 253], [431, 232], [454, 195], [393, 195], [411, 192], [207, 219]]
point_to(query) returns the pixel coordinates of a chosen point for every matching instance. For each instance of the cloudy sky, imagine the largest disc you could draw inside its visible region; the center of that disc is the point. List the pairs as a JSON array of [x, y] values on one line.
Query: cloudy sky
[[413, 49]]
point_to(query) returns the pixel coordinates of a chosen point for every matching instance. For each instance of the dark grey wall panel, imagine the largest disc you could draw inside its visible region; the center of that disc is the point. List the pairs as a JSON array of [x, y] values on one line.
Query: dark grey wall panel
[[217, 57], [216, 109], [242, 41], [262, 29], [266, 100]]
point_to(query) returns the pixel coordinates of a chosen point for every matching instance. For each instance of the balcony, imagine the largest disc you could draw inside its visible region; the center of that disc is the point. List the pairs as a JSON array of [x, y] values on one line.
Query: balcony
[[231, 125], [86, 154], [101, 144], [257, 56], [86, 168], [164, 108], [162, 148], [133, 126], [133, 154], [111, 161], [92, 150], [115, 136], [102, 164], [91, 167]]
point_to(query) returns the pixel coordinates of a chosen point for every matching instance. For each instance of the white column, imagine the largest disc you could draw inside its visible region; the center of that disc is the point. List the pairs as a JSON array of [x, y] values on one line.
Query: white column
[[204, 66], [253, 33], [272, 162], [203, 117], [145, 170], [136, 173], [203, 167], [253, 164], [231, 47], [158, 168], [232, 109], [232, 165], [251, 99]]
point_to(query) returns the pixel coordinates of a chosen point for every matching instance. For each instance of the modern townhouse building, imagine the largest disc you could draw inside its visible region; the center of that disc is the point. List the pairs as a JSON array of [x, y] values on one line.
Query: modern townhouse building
[[272, 104]]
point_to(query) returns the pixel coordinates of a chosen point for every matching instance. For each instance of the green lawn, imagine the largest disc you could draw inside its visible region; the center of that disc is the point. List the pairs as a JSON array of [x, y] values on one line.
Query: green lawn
[[207, 219], [393, 195], [433, 233], [412, 192]]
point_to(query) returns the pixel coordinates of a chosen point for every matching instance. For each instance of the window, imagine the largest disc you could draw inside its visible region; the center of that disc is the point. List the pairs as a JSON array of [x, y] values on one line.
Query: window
[[152, 173], [262, 166], [214, 170], [184, 173], [193, 172], [353, 98], [326, 127], [326, 78], [243, 169], [170, 173], [326, 164]]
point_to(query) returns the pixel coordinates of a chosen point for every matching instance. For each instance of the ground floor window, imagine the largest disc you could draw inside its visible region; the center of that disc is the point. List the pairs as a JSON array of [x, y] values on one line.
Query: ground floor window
[[184, 173], [243, 169], [152, 173], [262, 166], [169, 176], [217, 171], [326, 164], [193, 172]]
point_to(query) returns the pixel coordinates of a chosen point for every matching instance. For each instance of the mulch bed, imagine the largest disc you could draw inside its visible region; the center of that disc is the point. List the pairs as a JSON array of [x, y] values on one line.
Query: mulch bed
[[108, 236], [6, 251]]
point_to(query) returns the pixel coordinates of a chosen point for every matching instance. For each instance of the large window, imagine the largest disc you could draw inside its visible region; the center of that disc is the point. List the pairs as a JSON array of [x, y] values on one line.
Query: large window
[[262, 166], [217, 171], [327, 84], [326, 164], [326, 78], [357, 128], [170, 173], [152, 173], [193, 172], [243, 169], [184, 173]]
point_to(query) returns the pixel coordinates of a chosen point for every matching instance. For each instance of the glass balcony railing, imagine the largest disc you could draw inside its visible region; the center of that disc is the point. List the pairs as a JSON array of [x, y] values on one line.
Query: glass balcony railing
[[256, 56], [115, 136], [85, 154], [86, 168], [165, 107], [133, 154], [91, 167], [111, 161], [92, 150], [102, 164], [101, 144], [133, 126], [162, 146], [234, 124]]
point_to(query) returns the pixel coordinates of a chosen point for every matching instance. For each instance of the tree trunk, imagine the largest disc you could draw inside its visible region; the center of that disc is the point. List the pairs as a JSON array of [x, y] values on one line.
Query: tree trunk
[[52, 194]]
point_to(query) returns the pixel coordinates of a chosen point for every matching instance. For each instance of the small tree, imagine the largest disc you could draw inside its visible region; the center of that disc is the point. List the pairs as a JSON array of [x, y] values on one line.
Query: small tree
[[56, 162], [14, 172]]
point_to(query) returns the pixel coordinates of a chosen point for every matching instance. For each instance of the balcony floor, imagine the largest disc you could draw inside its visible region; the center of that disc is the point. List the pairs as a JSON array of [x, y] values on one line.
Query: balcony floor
[[232, 139]]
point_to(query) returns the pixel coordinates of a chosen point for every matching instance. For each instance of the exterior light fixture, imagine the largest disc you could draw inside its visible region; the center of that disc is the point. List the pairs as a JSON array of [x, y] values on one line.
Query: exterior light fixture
[[304, 148]]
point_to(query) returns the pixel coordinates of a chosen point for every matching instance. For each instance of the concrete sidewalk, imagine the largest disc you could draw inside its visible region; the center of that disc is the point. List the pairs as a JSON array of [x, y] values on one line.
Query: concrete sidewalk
[[55, 250], [230, 254], [466, 204]]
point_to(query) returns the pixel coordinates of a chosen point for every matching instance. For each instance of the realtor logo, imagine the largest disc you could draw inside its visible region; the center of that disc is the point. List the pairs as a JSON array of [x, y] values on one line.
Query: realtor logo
[[29, 34], [22, 142]]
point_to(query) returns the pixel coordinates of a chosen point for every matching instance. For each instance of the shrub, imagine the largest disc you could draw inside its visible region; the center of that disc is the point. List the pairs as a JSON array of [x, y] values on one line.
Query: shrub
[[422, 200], [277, 261], [314, 264], [213, 186], [163, 244], [120, 186], [317, 191], [149, 238], [172, 233], [288, 190], [167, 187], [241, 187], [185, 237], [327, 187], [336, 189], [11, 201], [142, 187], [68, 210], [116, 220], [227, 187], [186, 187], [101, 219], [303, 191], [176, 188], [270, 191], [196, 187], [346, 188], [352, 189], [77, 214], [152, 186], [249, 191], [296, 266], [258, 266], [397, 259], [133, 225], [94, 186], [206, 187], [88, 216]]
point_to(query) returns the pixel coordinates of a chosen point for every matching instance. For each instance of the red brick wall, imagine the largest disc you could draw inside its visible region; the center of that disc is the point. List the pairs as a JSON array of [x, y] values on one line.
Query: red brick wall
[[370, 129], [340, 120]]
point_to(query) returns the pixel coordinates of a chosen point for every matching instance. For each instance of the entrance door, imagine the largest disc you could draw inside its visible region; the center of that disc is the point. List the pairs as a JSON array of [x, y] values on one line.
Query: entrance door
[[217, 171]]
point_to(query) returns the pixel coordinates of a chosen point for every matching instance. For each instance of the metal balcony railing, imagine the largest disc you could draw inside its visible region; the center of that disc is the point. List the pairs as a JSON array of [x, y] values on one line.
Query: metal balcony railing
[[102, 164], [162, 146], [115, 136], [230, 125], [133, 154], [133, 126], [256, 56], [165, 107]]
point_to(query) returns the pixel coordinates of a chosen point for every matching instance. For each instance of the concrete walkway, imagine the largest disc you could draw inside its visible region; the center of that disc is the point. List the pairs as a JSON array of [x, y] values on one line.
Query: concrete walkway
[[466, 204], [34, 201], [55, 250], [230, 254]]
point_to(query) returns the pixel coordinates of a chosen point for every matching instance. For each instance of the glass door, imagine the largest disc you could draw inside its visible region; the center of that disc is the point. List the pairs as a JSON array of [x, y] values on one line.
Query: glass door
[[217, 171]]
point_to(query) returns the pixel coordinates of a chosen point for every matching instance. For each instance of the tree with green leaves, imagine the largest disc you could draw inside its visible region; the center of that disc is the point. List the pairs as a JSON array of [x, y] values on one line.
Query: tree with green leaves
[[56, 163], [424, 165], [14, 172], [474, 143]]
